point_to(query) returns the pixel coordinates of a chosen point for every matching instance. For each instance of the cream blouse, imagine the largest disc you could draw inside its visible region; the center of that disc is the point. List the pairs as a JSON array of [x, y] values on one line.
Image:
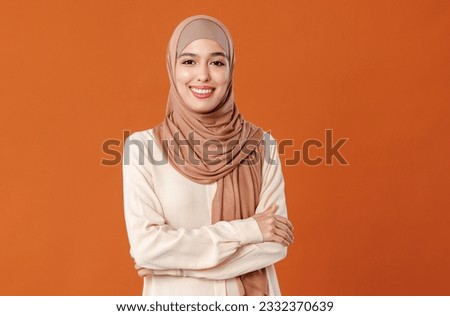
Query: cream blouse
[[168, 219]]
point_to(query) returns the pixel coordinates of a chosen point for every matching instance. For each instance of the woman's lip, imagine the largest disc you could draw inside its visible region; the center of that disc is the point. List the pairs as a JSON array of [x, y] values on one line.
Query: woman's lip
[[203, 94], [202, 87]]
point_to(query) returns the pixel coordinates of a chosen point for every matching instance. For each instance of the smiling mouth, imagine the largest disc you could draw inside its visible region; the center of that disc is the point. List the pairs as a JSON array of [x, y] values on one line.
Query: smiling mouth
[[202, 92]]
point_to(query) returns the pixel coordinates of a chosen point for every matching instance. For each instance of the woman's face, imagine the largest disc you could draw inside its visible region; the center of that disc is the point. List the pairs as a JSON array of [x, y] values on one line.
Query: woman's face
[[202, 73]]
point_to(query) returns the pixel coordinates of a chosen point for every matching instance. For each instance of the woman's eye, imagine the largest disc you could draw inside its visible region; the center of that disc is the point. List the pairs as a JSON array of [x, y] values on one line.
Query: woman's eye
[[188, 62], [217, 63]]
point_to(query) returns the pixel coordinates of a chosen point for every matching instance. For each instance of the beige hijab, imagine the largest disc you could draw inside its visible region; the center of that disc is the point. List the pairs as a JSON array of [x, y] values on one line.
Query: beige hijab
[[234, 155]]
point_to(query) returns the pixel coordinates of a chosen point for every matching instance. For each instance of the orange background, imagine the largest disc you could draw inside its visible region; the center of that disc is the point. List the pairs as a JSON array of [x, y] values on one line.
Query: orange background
[[77, 73]]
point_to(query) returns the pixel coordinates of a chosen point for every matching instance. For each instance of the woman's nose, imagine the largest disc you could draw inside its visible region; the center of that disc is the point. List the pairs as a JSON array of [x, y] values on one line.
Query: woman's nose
[[203, 73]]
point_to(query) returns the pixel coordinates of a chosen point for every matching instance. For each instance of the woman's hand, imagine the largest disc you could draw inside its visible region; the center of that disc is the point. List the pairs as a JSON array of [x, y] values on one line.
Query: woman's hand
[[143, 272], [274, 227]]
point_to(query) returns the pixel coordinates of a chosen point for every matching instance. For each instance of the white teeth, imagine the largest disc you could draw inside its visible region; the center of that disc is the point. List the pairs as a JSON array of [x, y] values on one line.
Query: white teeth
[[202, 91]]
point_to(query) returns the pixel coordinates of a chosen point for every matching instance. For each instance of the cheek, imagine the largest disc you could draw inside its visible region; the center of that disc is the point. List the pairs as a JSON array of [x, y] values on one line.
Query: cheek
[[222, 77], [181, 77]]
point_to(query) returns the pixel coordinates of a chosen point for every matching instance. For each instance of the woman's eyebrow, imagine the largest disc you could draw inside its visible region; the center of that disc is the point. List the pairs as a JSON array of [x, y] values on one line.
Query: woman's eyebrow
[[187, 54], [218, 54], [195, 55]]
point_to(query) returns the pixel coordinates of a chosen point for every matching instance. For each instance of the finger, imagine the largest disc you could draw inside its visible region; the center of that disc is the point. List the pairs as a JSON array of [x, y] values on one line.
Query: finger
[[285, 229], [280, 237], [284, 220], [137, 267], [143, 273], [285, 235], [280, 240], [282, 223]]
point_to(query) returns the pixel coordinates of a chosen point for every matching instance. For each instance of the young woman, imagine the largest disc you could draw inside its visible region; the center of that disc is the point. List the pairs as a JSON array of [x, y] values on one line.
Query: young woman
[[203, 191]]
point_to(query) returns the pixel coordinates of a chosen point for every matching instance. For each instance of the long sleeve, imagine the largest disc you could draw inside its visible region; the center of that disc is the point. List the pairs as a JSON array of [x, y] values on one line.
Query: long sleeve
[[154, 243], [251, 257]]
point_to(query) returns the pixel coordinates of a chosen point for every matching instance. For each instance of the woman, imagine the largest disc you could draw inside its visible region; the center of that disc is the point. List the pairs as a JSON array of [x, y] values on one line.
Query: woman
[[203, 191]]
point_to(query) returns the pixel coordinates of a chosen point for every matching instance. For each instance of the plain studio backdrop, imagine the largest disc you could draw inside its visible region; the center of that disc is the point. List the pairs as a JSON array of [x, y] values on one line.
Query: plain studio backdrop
[[76, 74]]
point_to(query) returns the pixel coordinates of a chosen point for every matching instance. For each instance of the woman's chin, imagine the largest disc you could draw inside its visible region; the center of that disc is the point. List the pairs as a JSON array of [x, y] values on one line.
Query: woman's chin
[[201, 107]]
